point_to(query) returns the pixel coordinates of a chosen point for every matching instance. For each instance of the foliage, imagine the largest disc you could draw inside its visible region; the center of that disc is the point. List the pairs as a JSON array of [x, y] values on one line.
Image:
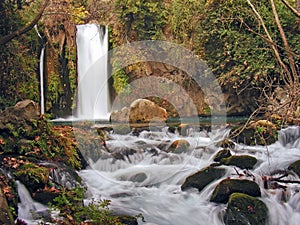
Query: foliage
[[72, 210], [146, 18], [30, 171], [120, 83]]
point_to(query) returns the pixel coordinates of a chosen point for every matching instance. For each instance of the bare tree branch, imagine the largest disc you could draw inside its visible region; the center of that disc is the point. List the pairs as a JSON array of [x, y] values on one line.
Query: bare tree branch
[[286, 44], [277, 55], [9, 37], [291, 8]]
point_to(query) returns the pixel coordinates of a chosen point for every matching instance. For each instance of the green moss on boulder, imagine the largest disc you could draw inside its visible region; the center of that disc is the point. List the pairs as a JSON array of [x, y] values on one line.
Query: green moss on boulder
[[228, 186], [241, 161], [224, 153], [244, 209], [202, 178]]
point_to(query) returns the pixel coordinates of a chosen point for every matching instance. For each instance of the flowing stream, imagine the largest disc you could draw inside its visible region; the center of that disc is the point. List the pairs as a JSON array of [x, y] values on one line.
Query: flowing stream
[[149, 181]]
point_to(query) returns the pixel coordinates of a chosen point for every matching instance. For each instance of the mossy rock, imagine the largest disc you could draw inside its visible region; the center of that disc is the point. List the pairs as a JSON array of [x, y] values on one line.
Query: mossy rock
[[179, 146], [295, 167], [241, 161], [244, 209], [224, 153], [122, 129], [202, 178], [127, 220], [226, 143], [261, 132], [228, 186]]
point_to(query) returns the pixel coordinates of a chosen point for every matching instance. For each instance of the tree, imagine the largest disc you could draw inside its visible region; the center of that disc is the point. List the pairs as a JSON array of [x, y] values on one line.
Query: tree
[[9, 37]]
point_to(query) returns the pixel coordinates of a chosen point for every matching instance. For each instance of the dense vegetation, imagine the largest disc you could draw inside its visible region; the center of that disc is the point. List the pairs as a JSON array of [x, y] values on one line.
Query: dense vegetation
[[240, 40]]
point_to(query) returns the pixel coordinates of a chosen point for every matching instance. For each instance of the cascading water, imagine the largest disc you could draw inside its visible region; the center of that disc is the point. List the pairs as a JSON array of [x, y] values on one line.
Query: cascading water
[[42, 81], [93, 92], [149, 180], [41, 65], [29, 210]]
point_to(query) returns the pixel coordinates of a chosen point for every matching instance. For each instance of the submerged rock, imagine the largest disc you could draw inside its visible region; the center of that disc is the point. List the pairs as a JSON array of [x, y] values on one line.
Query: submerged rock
[[228, 186], [241, 161], [202, 178], [224, 153], [179, 146], [244, 209]]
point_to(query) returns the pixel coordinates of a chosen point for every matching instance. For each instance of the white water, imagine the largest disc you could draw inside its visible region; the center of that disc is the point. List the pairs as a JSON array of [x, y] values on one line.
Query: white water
[[42, 81], [149, 181], [29, 210], [41, 65], [92, 95]]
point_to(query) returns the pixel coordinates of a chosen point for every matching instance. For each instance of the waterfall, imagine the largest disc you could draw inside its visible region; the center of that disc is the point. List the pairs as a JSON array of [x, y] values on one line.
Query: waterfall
[[29, 210], [93, 91], [42, 98], [42, 81]]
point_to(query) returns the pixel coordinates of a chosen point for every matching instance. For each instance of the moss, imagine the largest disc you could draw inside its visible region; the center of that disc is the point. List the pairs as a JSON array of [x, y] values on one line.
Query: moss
[[224, 153], [244, 209], [228, 186], [241, 161], [202, 178]]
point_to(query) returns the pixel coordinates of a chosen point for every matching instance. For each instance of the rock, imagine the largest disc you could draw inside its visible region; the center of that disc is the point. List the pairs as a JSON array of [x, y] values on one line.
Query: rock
[[261, 132], [226, 144], [224, 153], [241, 161], [5, 214], [26, 109], [228, 186], [179, 146], [243, 209], [202, 178], [127, 220], [140, 111], [295, 166]]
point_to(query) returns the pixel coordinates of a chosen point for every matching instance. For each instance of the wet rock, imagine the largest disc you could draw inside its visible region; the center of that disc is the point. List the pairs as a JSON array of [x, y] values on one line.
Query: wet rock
[[224, 153], [5, 214], [241, 161], [139, 177], [295, 166], [140, 111], [202, 178], [226, 144], [127, 220], [228, 186], [244, 209], [179, 146]]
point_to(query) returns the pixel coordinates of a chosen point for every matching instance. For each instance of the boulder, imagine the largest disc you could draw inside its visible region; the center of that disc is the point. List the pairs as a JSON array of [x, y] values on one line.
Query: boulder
[[202, 178], [295, 166], [140, 111], [261, 132], [179, 146], [228, 186], [224, 153], [26, 109], [243, 209], [241, 161]]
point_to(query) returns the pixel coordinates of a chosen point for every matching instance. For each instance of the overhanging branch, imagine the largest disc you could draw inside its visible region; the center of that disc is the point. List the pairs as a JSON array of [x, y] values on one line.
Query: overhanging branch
[[9, 37]]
